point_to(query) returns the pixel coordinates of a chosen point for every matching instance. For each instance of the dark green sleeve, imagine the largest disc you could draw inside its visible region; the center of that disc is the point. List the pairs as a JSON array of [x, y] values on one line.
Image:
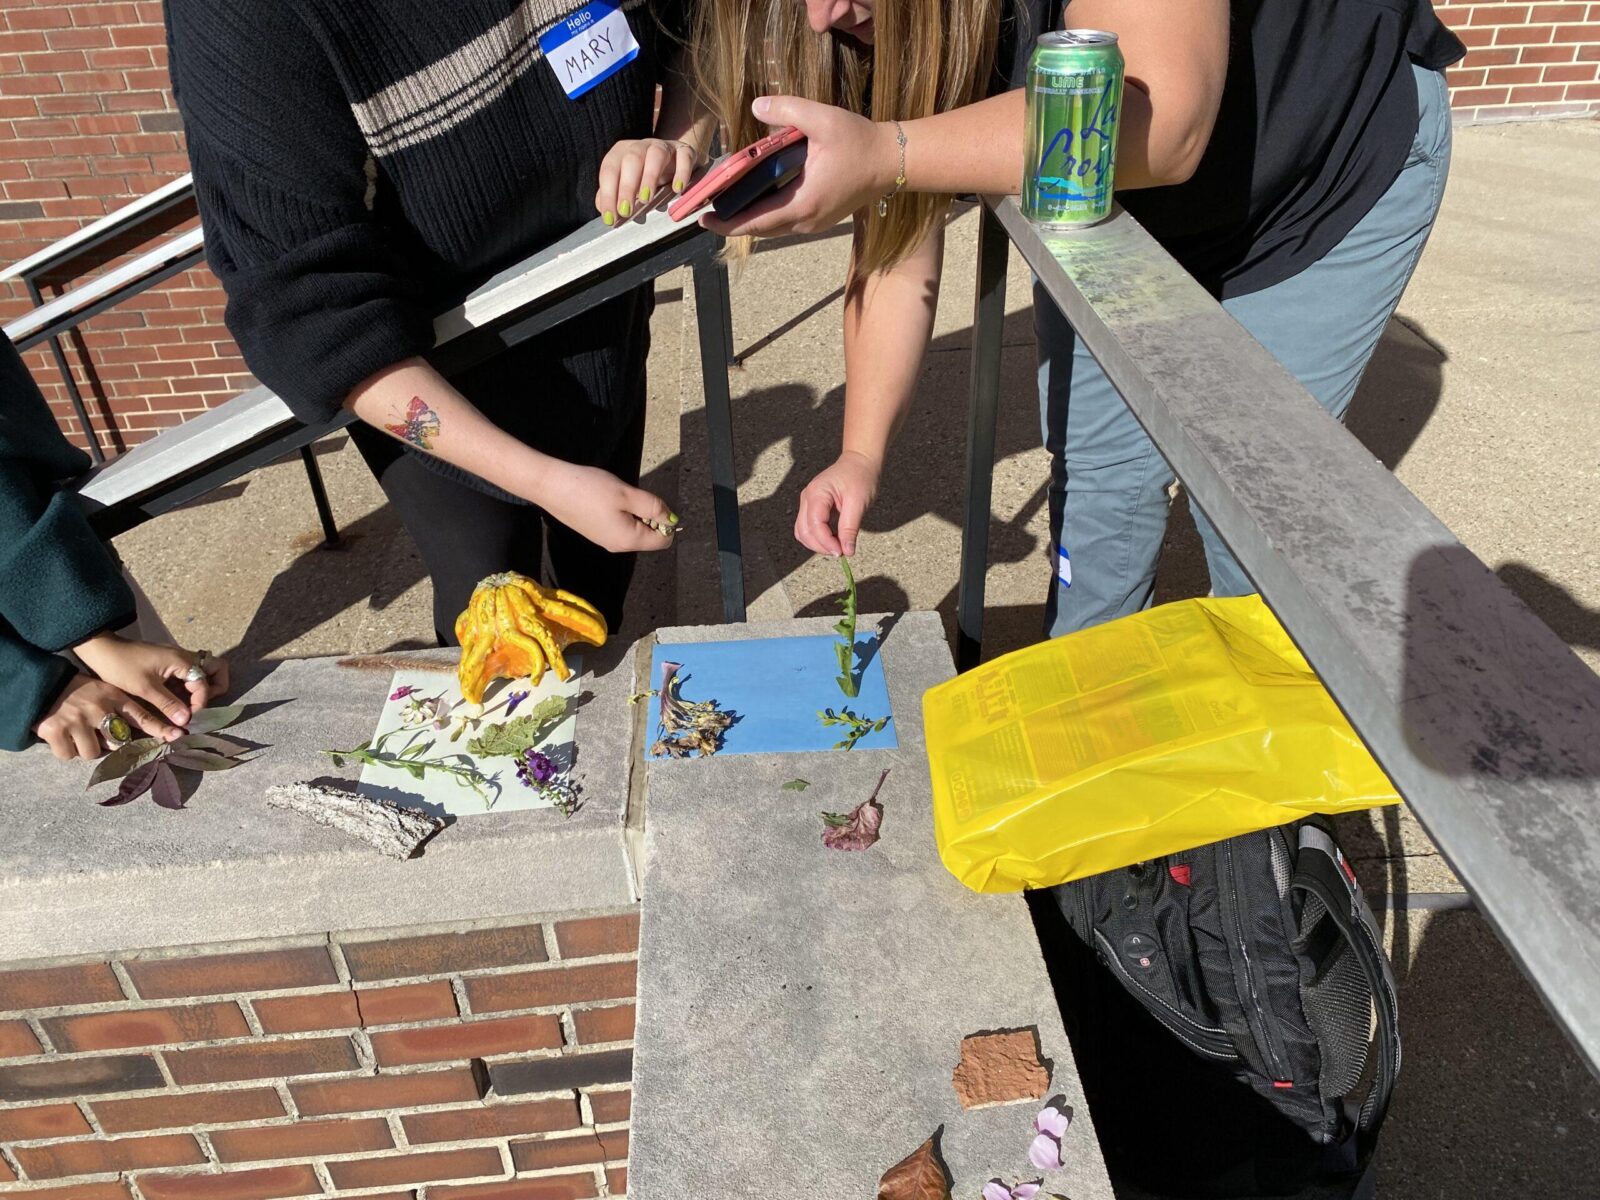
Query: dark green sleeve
[[32, 681], [58, 582]]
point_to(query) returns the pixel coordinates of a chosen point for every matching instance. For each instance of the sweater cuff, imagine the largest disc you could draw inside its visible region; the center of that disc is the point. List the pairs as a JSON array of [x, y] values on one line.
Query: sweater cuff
[[34, 680], [64, 585]]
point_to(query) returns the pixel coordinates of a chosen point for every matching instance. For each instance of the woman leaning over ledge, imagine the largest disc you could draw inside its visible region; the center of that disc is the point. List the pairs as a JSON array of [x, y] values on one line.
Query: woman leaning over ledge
[[362, 166]]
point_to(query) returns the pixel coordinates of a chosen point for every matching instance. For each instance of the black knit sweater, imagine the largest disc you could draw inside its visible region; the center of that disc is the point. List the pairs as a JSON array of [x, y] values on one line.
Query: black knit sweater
[[361, 165]]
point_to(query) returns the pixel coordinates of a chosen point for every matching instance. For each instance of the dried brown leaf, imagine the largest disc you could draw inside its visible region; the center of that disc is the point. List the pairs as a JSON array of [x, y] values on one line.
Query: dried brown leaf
[[920, 1176]]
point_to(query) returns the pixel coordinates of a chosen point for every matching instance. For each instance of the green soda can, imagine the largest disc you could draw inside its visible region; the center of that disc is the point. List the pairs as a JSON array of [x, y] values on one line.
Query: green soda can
[[1073, 105]]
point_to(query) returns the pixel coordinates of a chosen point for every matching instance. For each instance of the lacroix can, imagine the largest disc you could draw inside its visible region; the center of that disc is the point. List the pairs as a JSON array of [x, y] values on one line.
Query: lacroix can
[[1074, 103]]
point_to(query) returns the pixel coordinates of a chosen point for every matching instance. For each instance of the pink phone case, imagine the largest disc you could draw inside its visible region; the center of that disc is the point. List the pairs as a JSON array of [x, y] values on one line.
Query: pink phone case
[[730, 169]]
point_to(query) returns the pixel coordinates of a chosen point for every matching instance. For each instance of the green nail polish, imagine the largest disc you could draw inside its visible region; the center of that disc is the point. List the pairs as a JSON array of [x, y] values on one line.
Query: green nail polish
[[672, 518], [625, 208], [644, 195], [677, 185], [609, 218]]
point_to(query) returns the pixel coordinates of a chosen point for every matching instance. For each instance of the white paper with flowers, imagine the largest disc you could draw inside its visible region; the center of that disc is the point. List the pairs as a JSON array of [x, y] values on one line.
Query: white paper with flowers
[[425, 730]]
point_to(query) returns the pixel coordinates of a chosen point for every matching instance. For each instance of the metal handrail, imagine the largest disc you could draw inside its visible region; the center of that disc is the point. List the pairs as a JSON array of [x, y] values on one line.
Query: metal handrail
[[75, 245], [97, 232], [1484, 719]]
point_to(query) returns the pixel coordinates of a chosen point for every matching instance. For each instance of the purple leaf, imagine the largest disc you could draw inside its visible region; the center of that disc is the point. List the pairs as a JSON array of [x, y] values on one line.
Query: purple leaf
[[135, 784], [210, 741], [201, 760], [400, 693], [165, 790], [207, 720], [124, 759]]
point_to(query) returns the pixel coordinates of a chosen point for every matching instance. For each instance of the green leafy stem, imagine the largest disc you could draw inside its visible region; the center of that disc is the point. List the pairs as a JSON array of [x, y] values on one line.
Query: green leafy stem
[[410, 760], [856, 727], [849, 676]]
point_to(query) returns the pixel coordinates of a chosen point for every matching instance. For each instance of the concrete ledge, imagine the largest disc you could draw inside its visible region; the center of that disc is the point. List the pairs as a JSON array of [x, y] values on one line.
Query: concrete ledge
[[80, 879], [801, 1009]]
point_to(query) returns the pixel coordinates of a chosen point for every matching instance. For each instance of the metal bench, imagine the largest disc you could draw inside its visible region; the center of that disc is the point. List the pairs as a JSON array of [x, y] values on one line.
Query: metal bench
[[1484, 719]]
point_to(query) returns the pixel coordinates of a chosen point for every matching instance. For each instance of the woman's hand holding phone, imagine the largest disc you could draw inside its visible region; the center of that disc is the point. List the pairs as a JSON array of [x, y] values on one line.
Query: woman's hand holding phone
[[850, 162]]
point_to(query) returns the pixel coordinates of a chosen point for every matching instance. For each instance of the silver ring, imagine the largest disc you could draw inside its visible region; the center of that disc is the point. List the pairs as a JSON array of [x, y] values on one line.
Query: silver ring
[[115, 729], [198, 672]]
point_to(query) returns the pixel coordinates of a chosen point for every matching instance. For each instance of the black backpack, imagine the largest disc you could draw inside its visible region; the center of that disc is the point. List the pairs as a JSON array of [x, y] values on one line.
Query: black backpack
[[1260, 956]]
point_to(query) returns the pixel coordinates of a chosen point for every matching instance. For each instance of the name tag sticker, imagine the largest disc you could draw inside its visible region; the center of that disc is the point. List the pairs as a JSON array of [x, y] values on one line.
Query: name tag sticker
[[589, 47]]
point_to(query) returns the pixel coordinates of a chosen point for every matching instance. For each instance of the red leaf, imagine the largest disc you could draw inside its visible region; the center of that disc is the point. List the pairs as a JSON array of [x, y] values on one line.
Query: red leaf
[[134, 784], [921, 1176], [165, 790]]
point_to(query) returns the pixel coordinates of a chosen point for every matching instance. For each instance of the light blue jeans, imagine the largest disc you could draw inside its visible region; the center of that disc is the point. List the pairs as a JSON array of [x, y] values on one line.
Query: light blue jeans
[[1108, 483]]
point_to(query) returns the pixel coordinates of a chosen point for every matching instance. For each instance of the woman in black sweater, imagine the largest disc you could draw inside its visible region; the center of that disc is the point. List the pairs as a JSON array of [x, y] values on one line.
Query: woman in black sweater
[[362, 166]]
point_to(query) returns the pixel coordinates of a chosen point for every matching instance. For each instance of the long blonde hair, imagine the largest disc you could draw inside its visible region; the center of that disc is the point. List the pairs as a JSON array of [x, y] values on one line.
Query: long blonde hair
[[929, 56]]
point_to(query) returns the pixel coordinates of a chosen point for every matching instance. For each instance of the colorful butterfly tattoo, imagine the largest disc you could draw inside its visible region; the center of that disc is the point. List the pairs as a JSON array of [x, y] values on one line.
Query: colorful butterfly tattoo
[[421, 425]]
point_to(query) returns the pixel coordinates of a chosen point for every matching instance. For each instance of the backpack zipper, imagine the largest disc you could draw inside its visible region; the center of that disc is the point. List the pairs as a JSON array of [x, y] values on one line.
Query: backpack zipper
[[1201, 1038], [1245, 971]]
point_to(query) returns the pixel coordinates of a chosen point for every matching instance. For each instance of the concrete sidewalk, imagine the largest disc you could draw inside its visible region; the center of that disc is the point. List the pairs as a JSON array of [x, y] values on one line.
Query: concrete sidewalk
[[1478, 398]]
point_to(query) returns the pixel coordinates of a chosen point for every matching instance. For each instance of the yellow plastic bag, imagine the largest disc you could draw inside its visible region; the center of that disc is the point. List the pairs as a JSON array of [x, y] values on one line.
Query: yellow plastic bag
[[1149, 735]]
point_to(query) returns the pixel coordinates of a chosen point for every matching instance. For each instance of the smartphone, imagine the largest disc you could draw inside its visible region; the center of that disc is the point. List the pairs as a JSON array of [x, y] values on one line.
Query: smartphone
[[769, 164]]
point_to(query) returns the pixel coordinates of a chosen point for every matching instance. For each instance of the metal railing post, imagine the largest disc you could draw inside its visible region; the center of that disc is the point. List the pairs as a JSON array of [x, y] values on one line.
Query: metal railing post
[[96, 455], [319, 496], [988, 324]]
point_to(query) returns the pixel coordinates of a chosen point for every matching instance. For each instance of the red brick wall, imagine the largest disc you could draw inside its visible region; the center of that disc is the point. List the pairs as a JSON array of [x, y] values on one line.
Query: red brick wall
[[87, 124], [326, 1065], [1525, 60]]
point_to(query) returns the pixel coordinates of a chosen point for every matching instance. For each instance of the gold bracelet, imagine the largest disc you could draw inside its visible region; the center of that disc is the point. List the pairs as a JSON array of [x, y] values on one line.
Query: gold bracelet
[[900, 179]]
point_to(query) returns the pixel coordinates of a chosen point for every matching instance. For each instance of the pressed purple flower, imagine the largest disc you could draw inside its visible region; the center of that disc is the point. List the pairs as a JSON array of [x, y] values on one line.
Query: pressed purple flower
[[400, 693], [535, 769], [514, 699]]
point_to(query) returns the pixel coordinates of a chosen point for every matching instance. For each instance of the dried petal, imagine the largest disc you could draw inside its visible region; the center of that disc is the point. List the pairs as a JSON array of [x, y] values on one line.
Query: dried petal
[[1026, 1191], [400, 693], [514, 699], [995, 1190], [1053, 1121], [1045, 1153]]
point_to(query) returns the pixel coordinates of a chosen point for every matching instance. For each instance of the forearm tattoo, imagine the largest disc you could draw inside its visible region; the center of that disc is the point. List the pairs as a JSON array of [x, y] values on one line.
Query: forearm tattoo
[[420, 426]]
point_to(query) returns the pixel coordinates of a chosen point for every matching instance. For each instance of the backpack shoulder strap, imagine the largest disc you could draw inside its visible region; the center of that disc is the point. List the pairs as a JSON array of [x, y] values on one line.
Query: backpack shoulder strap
[[1322, 871]]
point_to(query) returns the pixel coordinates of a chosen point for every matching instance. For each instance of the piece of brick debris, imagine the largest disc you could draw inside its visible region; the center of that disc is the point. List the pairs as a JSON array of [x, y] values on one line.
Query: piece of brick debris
[[1001, 1067]]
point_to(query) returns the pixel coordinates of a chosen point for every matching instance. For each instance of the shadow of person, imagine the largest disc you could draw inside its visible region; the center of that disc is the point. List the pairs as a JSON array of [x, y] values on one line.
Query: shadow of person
[[1558, 608], [374, 561], [1399, 392]]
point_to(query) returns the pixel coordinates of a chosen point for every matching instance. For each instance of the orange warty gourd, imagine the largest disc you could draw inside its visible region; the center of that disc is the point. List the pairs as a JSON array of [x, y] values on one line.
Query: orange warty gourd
[[513, 627]]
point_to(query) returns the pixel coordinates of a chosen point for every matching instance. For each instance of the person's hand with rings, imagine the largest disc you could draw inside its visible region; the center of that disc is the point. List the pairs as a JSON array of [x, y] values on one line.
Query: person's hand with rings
[[91, 717], [161, 677]]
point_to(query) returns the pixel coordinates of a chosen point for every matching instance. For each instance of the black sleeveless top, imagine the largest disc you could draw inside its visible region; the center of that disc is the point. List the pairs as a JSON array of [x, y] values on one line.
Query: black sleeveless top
[[1317, 117]]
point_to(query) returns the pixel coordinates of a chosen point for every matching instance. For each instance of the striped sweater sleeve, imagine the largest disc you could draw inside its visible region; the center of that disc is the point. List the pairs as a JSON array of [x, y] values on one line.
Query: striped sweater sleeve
[[318, 296]]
